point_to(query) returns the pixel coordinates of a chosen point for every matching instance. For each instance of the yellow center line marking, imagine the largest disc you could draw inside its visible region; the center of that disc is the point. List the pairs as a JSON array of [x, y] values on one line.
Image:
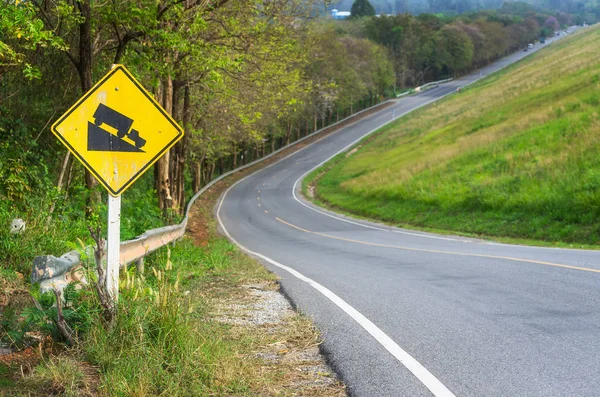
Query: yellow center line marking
[[510, 258], [294, 226], [259, 204]]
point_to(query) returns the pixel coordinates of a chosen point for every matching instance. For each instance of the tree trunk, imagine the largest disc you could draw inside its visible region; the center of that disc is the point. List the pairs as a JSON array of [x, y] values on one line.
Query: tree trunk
[[173, 155], [165, 201], [63, 170], [178, 152], [212, 172], [288, 134], [306, 127], [158, 95], [196, 176], [69, 179], [84, 68], [61, 176], [186, 117]]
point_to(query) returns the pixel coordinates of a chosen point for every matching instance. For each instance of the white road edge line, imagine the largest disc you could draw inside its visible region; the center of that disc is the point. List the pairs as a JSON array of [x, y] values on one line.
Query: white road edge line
[[419, 371], [345, 148]]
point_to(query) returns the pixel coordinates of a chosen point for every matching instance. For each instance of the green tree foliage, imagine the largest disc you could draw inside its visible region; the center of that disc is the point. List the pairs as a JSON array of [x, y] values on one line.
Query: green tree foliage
[[455, 49], [431, 47], [362, 8], [20, 32], [242, 77]]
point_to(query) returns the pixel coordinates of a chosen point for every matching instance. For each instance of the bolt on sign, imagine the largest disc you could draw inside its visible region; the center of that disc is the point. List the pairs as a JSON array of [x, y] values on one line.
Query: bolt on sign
[[117, 130]]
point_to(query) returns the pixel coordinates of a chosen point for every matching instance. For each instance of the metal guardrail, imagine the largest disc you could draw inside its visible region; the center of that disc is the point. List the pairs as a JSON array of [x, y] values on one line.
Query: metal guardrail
[[421, 87], [51, 272], [433, 83], [405, 93]]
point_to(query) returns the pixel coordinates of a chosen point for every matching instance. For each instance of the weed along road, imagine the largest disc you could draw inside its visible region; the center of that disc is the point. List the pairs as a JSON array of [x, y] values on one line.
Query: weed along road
[[405, 313]]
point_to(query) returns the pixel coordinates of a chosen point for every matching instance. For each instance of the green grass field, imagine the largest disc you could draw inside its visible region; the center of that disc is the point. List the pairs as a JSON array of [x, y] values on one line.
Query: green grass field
[[515, 156]]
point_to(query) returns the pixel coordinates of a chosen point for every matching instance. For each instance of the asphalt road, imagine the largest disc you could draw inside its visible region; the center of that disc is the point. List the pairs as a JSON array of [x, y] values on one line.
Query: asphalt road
[[406, 313]]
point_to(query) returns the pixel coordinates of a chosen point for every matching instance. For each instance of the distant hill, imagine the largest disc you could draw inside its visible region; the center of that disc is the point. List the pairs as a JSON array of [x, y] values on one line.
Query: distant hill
[[589, 9]]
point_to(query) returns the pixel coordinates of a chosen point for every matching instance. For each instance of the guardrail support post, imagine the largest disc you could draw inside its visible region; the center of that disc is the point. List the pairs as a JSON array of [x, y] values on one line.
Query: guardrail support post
[[114, 237], [139, 264]]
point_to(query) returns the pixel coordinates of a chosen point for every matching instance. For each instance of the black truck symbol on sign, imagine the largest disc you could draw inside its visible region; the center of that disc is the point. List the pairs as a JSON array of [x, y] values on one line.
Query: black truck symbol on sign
[[100, 140]]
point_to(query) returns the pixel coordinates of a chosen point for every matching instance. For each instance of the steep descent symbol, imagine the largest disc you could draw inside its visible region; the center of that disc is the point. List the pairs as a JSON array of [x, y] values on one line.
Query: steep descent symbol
[[101, 140], [113, 114]]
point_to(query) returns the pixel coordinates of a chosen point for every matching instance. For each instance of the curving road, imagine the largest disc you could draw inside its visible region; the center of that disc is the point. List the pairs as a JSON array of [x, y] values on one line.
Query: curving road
[[405, 313]]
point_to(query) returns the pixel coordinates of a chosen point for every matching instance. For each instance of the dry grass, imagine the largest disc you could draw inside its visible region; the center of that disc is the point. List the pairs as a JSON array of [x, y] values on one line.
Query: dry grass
[[283, 346]]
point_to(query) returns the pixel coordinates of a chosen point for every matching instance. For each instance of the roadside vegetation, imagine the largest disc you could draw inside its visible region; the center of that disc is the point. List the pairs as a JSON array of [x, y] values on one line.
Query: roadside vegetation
[[515, 156], [243, 78], [184, 328]]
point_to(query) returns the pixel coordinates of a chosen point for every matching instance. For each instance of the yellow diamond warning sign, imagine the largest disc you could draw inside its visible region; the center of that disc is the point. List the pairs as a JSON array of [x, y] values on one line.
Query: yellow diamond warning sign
[[117, 130]]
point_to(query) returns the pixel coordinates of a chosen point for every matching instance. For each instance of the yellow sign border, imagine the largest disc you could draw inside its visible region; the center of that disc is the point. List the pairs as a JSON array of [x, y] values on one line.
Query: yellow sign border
[[138, 174]]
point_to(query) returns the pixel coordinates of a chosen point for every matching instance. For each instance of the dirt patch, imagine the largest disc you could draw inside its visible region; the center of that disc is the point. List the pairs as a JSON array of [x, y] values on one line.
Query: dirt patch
[[351, 152], [14, 298], [287, 345], [311, 191], [56, 375]]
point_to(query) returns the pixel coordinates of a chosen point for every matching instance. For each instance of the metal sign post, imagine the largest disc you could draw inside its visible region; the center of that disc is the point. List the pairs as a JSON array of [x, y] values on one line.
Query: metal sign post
[[113, 246]]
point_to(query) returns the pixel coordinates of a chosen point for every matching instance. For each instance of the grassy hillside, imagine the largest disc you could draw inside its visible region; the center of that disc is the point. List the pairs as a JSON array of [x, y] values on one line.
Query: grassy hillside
[[517, 155]]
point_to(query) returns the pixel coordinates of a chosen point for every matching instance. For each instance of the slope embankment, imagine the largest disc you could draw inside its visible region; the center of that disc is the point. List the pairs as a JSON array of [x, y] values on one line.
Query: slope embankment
[[516, 155]]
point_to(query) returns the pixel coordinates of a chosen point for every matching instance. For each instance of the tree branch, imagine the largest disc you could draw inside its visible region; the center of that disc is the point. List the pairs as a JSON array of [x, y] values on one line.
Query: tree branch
[[64, 328], [129, 36]]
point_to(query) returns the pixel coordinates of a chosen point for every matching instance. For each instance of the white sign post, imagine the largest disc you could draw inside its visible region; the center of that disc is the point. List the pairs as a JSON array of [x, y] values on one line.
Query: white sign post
[[113, 245]]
